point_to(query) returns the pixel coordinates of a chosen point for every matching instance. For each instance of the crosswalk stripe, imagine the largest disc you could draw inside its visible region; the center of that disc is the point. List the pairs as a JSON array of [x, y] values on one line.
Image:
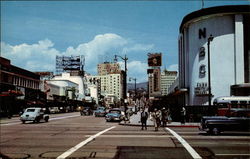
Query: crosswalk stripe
[[192, 152], [75, 148]]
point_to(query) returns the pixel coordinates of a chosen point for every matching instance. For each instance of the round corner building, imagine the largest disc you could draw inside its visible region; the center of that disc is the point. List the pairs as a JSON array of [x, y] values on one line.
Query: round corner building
[[214, 50]]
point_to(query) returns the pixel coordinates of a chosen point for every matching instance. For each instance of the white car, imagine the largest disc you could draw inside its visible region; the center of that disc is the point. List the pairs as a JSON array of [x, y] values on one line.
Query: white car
[[54, 110], [34, 114]]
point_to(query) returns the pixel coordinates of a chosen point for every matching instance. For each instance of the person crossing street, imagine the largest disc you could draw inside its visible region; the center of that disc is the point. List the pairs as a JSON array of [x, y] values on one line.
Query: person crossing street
[[156, 115], [144, 118]]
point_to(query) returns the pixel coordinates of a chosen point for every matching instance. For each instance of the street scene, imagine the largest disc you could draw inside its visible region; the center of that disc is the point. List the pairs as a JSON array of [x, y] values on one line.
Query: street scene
[[125, 79], [65, 131]]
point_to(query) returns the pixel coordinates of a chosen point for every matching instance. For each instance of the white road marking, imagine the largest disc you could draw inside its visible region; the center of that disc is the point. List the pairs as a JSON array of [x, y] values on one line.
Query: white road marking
[[7, 124], [63, 117], [134, 136], [192, 152], [73, 149], [51, 119], [232, 154]]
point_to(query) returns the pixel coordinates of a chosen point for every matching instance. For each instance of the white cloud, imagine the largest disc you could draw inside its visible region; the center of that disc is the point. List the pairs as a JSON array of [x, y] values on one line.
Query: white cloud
[[136, 69], [100, 45], [138, 47], [35, 57], [41, 56]]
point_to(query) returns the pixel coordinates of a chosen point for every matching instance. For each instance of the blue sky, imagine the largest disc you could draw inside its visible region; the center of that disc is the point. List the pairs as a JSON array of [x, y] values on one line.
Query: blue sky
[[33, 33]]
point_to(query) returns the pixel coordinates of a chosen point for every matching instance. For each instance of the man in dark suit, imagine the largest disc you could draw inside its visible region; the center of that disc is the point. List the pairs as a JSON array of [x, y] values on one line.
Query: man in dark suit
[[144, 118]]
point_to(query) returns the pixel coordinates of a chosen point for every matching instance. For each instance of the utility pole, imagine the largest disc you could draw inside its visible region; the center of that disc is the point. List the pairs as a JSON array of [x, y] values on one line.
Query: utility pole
[[125, 59], [209, 72]]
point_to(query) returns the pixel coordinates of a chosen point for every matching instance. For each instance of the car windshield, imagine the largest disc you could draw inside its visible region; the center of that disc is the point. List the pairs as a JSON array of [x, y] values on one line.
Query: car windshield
[[114, 111], [100, 108], [31, 110]]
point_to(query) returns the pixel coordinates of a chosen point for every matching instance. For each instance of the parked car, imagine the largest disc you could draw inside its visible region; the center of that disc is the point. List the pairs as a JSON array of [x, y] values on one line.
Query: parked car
[[86, 111], [100, 112], [35, 115], [54, 110], [115, 114], [239, 120]]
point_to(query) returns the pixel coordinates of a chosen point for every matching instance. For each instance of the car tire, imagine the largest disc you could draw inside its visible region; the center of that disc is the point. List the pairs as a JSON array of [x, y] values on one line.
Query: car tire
[[108, 120], [37, 120], [216, 131], [46, 119], [23, 121]]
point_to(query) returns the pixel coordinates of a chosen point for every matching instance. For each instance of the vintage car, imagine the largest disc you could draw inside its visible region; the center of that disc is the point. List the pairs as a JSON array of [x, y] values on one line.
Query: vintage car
[[239, 120], [86, 111], [115, 114], [35, 115], [100, 112], [54, 110]]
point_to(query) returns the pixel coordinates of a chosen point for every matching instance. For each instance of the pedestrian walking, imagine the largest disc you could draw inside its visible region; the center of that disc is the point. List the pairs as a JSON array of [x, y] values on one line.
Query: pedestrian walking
[[156, 115], [144, 118], [128, 113], [183, 115], [164, 117]]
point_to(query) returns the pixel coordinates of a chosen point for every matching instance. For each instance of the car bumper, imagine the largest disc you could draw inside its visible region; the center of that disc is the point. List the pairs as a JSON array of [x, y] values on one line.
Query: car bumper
[[113, 118], [201, 128], [100, 114], [27, 118]]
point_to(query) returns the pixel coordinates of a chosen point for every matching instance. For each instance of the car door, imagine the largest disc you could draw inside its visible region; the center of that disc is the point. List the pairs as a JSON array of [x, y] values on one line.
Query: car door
[[41, 114], [242, 119]]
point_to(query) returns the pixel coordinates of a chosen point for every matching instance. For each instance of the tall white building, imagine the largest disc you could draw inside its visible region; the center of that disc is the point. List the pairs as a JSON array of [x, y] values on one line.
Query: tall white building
[[109, 84], [167, 79], [229, 53]]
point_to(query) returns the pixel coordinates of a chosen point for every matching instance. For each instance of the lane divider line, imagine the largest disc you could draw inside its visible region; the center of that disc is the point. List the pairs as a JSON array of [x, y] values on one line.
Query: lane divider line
[[50, 119], [63, 117], [75, 148], [191, 151]]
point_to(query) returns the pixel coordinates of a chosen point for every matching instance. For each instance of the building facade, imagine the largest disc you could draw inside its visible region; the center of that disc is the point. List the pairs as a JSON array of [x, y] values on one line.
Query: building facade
[[19, 87], [167, 79], [111, 84], [75, 78], [108, 68], [214, 42], [61, 88]]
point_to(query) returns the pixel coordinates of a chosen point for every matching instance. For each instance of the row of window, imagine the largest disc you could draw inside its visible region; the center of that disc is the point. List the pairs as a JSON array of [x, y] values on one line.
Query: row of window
[[19, 81], [22, 82]]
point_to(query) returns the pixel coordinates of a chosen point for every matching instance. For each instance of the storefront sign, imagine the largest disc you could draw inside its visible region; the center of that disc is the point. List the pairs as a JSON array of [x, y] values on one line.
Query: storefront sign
[[202, 51], [202, 33], [202, 70], [201, 89]]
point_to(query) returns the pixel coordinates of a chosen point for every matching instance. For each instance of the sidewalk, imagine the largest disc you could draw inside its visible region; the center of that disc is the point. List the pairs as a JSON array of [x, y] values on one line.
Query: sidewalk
[[135, 121]]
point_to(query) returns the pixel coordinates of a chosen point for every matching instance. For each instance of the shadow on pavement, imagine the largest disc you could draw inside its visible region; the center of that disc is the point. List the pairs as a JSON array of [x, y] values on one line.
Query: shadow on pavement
[[142, 152]]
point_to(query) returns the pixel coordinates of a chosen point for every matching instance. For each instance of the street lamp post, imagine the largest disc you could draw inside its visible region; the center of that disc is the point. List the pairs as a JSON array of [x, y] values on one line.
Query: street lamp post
[[209, 76], [125, 59]]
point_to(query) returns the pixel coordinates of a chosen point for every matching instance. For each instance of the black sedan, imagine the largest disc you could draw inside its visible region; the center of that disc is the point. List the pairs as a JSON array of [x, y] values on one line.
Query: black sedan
[[239, 120]]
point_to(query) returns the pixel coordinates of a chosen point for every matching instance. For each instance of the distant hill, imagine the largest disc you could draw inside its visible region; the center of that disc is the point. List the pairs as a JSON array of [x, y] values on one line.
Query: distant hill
[[131, 86]]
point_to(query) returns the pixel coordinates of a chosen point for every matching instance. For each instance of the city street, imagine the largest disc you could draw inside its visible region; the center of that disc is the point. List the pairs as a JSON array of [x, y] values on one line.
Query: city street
[[73, 136]]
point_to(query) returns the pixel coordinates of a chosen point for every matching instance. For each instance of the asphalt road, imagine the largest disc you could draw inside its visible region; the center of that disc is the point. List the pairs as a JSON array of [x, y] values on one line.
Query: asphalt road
[[73, 136]]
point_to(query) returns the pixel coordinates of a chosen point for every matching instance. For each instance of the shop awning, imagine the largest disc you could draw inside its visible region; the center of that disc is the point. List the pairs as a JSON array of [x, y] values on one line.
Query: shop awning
[[12, 93]]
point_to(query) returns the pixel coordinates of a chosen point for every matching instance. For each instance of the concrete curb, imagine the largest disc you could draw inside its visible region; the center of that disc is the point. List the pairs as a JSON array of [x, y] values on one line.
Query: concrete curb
[[138, 125]]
